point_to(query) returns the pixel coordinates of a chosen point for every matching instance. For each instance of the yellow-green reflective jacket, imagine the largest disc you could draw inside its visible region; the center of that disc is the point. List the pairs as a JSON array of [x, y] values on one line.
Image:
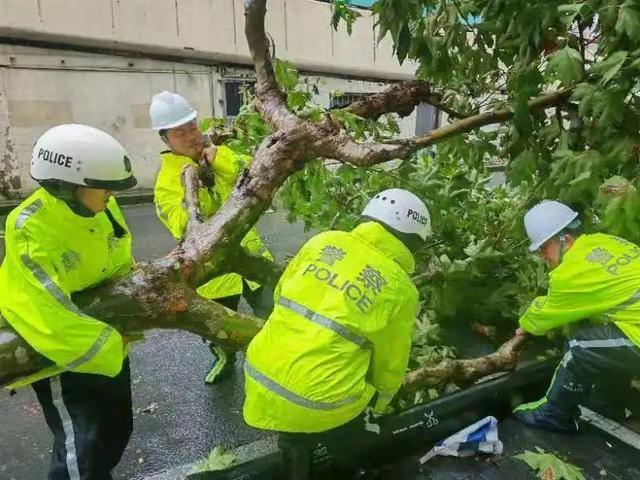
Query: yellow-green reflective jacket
[[598, 279], [341, 330], [52, 253], [169, 200]]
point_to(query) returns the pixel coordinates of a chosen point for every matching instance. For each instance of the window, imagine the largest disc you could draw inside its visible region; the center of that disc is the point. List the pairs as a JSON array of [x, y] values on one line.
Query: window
[[343, 101], [234, 91], [427, 118]]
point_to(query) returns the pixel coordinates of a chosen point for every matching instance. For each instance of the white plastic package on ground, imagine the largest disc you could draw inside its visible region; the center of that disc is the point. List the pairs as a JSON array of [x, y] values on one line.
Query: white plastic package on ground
[[482, 436]]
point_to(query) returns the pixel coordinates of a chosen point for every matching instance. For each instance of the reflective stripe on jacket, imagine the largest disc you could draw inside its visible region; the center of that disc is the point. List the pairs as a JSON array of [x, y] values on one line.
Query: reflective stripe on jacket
[[169, 201], [598, 279], [51, 253], [340, 332]]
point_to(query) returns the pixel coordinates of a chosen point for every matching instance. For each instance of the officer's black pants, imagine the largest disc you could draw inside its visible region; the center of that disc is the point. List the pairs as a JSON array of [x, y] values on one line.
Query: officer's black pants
[[91, 419], [260, 300], [304, 452], [599, 356]]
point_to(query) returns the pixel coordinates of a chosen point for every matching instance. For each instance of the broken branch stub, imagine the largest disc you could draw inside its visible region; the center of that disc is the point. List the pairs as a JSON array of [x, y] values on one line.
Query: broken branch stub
[[401, 99], [465, 371]]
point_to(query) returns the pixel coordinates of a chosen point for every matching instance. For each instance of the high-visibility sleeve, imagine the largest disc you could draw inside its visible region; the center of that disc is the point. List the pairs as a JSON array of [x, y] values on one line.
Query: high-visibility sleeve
[[566, 302], [391, 349], [47, 314], [169, 198]]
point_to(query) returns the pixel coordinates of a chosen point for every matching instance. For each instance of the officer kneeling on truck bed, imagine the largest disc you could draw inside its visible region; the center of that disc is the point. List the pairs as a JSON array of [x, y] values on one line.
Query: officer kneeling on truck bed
[[593, 277], [67, 236], [338, 340]]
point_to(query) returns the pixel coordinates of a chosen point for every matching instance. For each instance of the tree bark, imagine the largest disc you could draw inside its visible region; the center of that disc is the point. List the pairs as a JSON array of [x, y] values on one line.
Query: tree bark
[[153, 296], [401, 99], [190, 183], [343, 148], [464, 372]]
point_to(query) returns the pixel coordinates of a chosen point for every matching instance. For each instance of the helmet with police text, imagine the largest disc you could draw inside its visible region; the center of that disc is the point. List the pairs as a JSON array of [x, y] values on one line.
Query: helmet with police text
[[401, 210], [170, 110], [81, 155]]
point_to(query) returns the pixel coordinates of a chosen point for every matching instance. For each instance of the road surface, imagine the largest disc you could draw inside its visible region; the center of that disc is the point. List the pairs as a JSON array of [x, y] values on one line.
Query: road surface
[[178, 419]]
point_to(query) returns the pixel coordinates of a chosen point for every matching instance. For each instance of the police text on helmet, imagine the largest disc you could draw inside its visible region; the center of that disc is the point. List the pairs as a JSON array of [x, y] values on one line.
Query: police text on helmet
[[421, 219], [55, 158]]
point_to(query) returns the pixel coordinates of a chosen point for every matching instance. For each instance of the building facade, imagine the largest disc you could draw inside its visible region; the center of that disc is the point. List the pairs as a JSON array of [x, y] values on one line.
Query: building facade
[[99, 62]]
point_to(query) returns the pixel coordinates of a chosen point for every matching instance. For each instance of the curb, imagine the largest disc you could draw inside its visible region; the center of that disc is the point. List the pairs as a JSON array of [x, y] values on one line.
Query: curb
[[128, 198]]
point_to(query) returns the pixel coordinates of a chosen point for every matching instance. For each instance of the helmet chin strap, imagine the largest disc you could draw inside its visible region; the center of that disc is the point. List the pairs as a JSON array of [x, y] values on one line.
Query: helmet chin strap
[[67, 193], [563, 245]]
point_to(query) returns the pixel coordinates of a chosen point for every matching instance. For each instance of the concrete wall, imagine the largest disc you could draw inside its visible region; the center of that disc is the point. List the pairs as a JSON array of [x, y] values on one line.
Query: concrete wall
[[211, 30], [135, 48], [43, 87]]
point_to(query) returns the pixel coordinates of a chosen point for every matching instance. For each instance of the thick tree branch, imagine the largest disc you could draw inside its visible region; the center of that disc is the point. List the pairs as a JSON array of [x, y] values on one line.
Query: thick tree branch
[[17, 357], [151, 297], [402, 99], [209, 244], [343, 148], [465, 371], [257, 268], [191, 184], [219, 136], [270, 101]]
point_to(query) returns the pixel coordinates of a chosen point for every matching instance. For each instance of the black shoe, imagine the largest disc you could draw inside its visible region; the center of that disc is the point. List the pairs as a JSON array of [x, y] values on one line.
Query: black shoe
[[545, 416]]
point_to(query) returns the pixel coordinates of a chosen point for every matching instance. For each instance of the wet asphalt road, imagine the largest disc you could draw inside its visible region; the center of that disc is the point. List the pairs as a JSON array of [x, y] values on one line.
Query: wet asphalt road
[[177, 418]]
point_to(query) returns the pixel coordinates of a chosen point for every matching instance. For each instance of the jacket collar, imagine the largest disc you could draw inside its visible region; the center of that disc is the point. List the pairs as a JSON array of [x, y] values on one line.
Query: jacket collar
[[75, 206], [169, 155], [379, 237]]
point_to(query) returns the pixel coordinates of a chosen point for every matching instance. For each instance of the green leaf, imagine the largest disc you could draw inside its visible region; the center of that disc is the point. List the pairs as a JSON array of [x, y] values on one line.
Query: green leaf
[[297, 100], [567, 64], [629, 21], [205, 124], [286, 74], [583, 176], [403, 44], [571, 11], [586, 93], [341, 11], [609, 67], [218, 459], [522, 167], [548, 466], [522, 115]]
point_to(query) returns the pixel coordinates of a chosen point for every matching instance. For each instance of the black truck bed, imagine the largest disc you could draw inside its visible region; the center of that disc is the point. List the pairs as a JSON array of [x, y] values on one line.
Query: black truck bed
[[600, 455]]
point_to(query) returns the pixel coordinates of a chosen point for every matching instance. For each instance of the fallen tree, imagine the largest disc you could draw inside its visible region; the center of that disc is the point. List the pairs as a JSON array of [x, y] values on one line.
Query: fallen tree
[[161, 293]]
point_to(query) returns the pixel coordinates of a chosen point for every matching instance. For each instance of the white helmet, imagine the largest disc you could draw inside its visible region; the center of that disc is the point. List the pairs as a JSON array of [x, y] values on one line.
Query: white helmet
[[81, 155], [170, 110], [545, 220], [400, 210]]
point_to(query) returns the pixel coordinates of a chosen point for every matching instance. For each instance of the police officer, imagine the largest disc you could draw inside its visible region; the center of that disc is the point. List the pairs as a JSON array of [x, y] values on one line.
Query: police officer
[[67, 236], [594, 277], [176, 122], [339, 337]]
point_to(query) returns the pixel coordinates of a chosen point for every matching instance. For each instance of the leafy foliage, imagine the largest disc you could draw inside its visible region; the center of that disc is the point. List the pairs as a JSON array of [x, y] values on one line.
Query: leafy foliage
[[488, 54], [497, 52], [341, 11], [550, 467]]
